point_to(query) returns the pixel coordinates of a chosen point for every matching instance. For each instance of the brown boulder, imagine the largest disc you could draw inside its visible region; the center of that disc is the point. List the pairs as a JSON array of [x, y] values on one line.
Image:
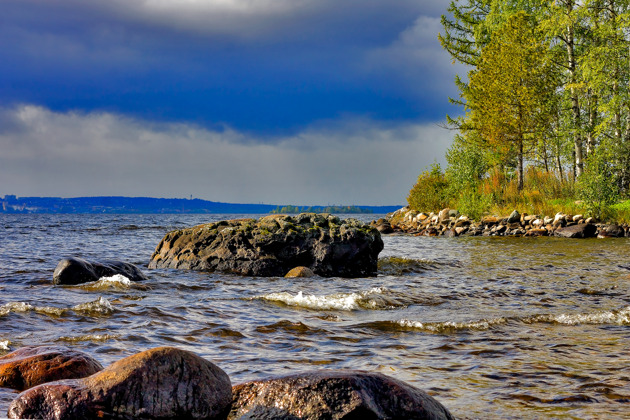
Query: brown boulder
[[333, 395], [300, 272], [161, 383], [34, 365]]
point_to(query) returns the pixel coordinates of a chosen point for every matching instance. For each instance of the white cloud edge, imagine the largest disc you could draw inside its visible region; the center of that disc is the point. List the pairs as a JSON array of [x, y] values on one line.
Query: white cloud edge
[[349, 162]]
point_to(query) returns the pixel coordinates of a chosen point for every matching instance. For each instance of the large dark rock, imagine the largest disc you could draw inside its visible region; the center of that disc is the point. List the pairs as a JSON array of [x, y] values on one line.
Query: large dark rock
[[273, 245], [584, 230], [333, 395], [35, 365], [162, 383], [77, 271]]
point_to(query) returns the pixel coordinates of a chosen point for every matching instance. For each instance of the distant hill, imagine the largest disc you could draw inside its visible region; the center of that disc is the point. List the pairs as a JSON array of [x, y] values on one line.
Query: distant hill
[[147, 205]]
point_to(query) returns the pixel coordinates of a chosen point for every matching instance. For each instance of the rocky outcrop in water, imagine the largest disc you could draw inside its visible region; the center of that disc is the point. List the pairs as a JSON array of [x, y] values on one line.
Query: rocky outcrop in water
[[451, 223], [273, 245], [35, 365], [77, 271], [161, 383], [333, 395]]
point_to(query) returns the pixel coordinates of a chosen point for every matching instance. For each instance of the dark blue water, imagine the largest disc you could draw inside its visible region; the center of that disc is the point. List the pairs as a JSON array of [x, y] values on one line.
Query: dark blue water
[[492, 327]]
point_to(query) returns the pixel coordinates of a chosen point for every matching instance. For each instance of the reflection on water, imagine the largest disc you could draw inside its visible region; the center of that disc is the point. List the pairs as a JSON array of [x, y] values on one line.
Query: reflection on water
[[492, 327]]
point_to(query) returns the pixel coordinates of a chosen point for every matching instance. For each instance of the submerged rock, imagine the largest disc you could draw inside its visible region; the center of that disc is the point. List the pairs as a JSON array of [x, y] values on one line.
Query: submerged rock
[[160, 383], [273, 245], [333, 395], [300, 272], [35, 365], [78, 270]]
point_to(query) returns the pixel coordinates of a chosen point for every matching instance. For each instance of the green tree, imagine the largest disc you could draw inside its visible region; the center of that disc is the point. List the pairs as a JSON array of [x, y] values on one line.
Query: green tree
[[512, 90]]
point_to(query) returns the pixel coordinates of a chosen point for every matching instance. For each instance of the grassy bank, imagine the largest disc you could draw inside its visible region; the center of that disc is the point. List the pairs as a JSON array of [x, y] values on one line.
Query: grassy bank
[[543, 193]]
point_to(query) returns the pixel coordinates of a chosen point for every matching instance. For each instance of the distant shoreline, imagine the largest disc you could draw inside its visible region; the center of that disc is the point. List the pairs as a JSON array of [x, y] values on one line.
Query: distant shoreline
[[12, 204]]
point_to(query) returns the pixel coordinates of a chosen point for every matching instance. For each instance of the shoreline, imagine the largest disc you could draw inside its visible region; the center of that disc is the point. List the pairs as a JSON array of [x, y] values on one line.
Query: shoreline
[[450, 223]]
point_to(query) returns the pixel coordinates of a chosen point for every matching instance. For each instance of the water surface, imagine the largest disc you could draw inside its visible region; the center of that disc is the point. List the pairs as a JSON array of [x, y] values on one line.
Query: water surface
[[492, 327]]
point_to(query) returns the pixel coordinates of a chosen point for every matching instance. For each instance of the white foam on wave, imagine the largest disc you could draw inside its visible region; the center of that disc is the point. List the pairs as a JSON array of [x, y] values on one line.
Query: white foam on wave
[[99, 306], [620, 317], [338, 301], [14, 307], [89, 337], [4, 345], [116, 280], [438, 327]]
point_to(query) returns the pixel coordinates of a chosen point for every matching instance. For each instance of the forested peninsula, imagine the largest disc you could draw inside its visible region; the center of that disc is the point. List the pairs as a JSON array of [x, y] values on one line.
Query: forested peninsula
[[545, 126]]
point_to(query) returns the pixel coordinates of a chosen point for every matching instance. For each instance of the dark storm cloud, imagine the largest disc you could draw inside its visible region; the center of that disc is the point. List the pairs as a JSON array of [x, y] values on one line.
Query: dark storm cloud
[[269, 67]]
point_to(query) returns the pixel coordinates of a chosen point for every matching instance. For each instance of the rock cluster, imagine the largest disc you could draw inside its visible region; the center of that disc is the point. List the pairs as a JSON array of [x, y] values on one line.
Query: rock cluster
[[160, 383], [166, 383], [449, 222], [273, 245]]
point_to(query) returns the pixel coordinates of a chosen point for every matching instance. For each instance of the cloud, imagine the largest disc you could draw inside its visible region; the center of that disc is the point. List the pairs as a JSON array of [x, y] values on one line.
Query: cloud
[[268, 66], [47, 153]]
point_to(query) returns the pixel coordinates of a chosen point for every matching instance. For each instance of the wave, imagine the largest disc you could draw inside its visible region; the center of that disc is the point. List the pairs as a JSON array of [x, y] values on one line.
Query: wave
[[614, 317], [115, 282], [377, 298], [4, 345], [100, 306], [450, 326], [88, 337], [397, 266]]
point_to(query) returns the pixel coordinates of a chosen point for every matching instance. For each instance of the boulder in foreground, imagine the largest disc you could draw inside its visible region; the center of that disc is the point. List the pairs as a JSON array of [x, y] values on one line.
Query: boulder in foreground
[[161, 383], [273, 245], [78, 271], [35, 365], [333, 395]]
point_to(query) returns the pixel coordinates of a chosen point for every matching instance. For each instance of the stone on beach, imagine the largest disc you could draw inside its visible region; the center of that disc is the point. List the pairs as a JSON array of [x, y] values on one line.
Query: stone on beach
[[583, 230], [161, 383], [273, 245], [77, 271], [34, 365], [333, 395]]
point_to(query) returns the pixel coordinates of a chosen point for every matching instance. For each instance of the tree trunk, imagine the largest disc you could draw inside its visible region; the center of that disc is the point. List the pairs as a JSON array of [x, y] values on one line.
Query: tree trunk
[[575, 103], [521, 177]]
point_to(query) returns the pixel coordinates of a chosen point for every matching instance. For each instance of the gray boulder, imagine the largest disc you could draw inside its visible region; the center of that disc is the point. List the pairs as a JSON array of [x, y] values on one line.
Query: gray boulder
[[161, 383], [584, 230], [77, 271], [333, 395], [273, 245]]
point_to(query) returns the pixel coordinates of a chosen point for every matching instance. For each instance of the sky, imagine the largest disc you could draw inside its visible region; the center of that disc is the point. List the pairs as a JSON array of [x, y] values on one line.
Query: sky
[[306, 102]]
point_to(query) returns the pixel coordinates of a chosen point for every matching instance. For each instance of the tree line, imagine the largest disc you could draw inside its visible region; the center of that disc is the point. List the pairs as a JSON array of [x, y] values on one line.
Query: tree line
[[545, 101]]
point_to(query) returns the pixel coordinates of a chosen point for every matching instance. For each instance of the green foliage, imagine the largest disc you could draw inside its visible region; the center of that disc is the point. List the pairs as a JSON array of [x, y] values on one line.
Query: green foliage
[[598, 185], [430, 191]]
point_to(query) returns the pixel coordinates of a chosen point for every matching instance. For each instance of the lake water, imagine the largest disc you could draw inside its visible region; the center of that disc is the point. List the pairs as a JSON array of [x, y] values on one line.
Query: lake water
[[492, 327]]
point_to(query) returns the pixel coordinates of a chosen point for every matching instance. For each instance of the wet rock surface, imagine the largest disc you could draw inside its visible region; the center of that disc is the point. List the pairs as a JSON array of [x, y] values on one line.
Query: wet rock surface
[[35, 365], [161, 383], [333, 395], [77, 271], [273, 245]]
